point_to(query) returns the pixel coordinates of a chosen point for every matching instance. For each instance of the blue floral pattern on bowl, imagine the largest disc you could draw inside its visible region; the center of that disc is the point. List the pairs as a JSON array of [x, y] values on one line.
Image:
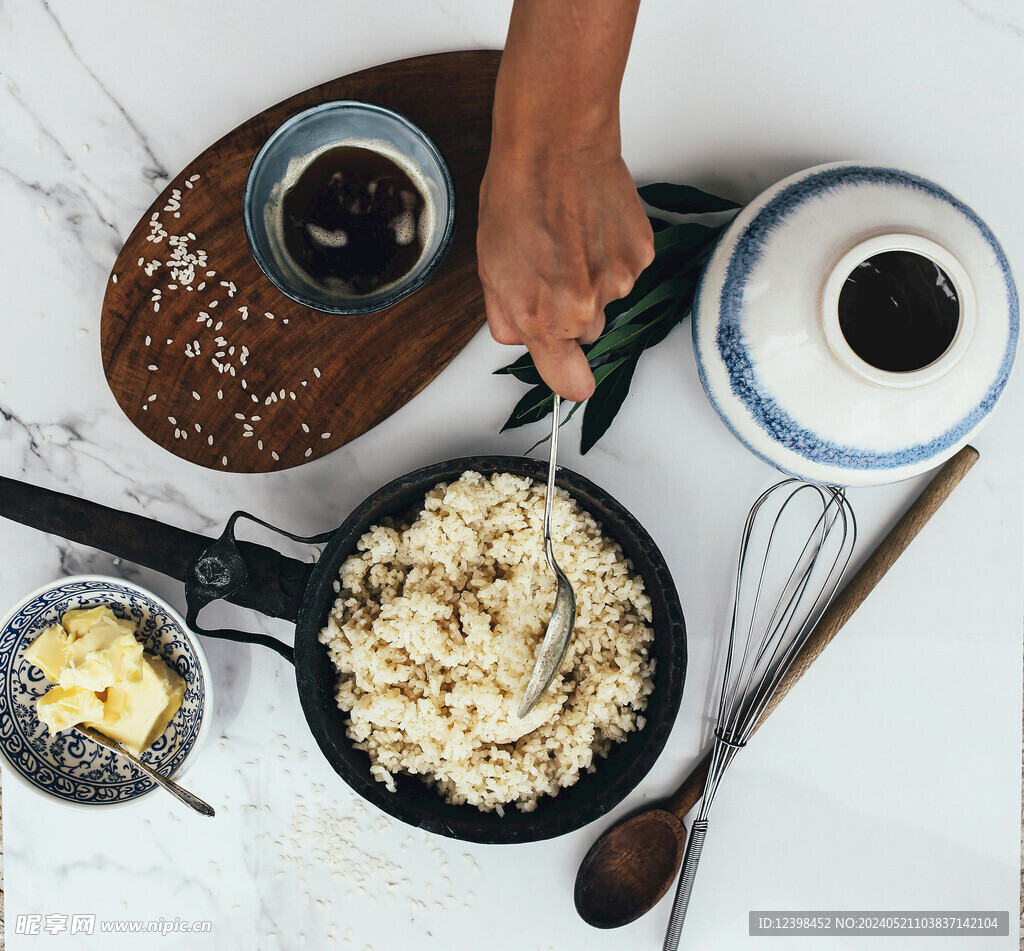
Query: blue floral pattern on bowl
[[71, 767]]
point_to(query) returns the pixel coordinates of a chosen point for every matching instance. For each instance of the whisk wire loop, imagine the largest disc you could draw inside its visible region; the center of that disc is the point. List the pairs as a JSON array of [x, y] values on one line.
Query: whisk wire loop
[[775, 608], [783, 609]]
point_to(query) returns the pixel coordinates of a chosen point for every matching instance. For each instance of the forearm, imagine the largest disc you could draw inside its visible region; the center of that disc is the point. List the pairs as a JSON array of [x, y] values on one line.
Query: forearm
[[562, 231], [558, 86]]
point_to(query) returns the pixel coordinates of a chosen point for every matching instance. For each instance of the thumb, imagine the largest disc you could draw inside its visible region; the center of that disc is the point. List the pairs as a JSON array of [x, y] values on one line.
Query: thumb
[[563, 366]]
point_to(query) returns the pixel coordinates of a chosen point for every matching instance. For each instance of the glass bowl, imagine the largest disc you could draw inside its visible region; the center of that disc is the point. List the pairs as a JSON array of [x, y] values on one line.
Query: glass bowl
[[299, 140]]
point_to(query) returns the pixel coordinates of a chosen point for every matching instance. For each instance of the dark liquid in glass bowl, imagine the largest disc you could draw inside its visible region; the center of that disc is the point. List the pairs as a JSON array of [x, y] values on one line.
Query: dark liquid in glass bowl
[[899, 311], [354, 221]]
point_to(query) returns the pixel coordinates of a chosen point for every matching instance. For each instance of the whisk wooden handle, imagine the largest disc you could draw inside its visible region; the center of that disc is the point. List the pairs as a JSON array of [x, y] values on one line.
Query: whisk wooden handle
[[846, 602]]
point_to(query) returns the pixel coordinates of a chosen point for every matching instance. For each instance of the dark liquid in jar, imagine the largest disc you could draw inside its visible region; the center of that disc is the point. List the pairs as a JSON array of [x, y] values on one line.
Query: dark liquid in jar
[[898, 311], [353, 220]]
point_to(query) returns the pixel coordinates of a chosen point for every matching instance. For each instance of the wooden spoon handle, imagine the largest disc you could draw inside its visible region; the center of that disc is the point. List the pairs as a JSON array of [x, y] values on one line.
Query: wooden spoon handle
[[846, 602]]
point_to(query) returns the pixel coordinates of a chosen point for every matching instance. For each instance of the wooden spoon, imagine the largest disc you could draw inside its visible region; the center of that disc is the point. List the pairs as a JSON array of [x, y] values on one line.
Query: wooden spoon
[[631, 866]]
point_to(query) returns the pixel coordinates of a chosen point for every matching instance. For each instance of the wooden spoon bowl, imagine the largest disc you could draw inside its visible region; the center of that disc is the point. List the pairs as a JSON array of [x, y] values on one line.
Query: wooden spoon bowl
[[629, 869]]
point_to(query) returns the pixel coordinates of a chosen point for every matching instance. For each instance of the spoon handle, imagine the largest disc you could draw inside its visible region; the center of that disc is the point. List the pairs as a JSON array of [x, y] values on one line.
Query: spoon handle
[[556, 407], [694, 844], [846, 602], [190, 800]]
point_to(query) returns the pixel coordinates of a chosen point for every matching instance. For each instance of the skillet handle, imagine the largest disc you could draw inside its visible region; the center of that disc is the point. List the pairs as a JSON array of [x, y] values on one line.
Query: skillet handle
[[220, 570]]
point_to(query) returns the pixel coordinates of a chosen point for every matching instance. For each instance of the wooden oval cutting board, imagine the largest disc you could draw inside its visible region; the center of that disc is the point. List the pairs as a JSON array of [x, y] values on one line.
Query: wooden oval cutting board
[[212, 362]]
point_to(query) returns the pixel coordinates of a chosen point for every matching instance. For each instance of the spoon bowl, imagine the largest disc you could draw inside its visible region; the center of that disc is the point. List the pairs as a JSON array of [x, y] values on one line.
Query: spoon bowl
[[629, 869]]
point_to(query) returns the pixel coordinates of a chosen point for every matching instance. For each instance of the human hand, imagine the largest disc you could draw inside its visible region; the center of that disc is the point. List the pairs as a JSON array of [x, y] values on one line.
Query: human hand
[[561, 229], [561, 234]]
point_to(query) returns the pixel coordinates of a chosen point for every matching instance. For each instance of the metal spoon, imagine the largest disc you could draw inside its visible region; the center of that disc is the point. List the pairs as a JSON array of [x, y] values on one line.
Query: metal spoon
[[193, 802], [563, 615]]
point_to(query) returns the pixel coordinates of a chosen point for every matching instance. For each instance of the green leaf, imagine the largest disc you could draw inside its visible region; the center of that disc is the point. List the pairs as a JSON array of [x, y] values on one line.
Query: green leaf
[[637, 335], [683, 199], [685, 237], [531, 408], [661, 330], [607, 400], [613, 339], [527, 373], [539, 442], [659, 269], [543, 439], [679, 250], [522, 369], [602, 372], [661, 297], [618, 337], [673, 287]]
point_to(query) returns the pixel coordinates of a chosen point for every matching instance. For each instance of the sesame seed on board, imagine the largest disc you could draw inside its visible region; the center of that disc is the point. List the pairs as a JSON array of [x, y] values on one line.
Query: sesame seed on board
[[178, 265]]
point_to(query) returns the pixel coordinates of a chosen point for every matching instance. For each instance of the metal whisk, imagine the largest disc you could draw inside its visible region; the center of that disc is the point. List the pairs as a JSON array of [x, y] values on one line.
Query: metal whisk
[[775, 606]]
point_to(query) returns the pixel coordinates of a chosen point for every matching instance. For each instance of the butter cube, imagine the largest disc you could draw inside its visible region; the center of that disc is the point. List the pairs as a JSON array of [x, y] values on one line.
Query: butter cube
[[60, 708], [104, 679], [105, 655], [47, 652], [136, 714], [82, 620]]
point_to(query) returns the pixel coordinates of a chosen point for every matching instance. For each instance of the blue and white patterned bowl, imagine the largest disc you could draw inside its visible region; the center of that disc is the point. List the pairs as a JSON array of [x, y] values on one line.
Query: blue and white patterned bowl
[[775, 363], [70, 767]]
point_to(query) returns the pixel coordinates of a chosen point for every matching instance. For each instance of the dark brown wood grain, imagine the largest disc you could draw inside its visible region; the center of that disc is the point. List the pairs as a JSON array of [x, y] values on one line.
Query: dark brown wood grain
[[368, 366], [629, 869]]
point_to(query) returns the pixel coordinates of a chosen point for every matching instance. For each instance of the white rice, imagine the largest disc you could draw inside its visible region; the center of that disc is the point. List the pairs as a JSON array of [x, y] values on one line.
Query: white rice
[[435, 631]]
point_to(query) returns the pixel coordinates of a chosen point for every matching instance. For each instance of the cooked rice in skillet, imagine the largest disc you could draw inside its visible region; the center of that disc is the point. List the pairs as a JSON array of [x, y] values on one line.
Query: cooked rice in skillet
[[435, 631]]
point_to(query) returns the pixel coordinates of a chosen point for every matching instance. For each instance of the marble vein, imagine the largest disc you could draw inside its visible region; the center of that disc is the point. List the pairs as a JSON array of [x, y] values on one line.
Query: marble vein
[[156, 173], [9, 416], [62, 194], [986, 17]]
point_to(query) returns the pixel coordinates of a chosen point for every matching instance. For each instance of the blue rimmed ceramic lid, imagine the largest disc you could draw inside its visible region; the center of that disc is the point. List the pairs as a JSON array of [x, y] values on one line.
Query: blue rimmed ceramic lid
[[791, 380]]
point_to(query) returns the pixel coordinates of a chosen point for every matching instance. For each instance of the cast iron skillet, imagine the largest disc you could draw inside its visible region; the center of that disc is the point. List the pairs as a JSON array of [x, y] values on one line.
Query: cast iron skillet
[[258, 577]]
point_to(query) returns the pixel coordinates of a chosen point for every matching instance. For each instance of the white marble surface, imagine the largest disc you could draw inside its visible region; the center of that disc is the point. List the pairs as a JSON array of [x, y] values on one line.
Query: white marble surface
[[889, 779]]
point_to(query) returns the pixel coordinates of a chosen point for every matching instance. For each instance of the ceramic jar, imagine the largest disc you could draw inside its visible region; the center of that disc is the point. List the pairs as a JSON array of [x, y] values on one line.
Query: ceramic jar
[[779, 315]]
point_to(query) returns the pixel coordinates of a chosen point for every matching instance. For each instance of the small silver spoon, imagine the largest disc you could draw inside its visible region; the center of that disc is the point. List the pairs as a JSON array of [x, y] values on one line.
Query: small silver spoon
[[193, 802], [563, 615]]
